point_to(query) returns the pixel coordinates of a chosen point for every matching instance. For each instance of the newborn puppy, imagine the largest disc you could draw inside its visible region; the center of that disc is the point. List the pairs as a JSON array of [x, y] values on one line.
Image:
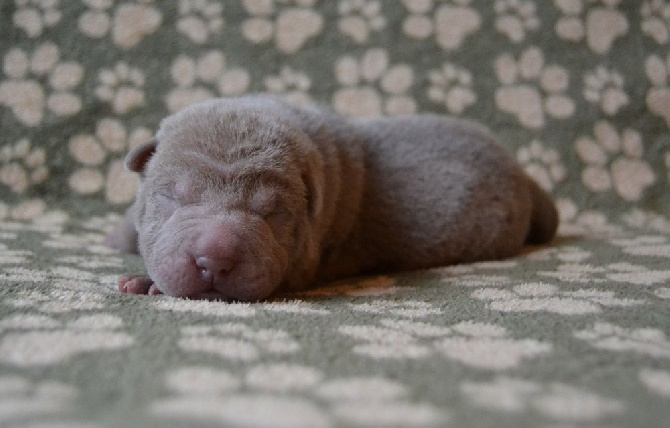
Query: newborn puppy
[[241, 198]]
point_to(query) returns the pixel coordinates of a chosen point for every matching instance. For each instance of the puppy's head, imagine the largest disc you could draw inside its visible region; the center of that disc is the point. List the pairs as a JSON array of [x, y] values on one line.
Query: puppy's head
[[229, 197]]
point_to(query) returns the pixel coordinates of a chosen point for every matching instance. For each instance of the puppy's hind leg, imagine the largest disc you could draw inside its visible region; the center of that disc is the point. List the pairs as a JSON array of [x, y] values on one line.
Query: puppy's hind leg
[[544, 216]]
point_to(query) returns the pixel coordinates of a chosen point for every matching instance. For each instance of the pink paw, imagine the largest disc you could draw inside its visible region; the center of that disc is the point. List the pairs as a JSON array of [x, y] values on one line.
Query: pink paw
[[138, 285]]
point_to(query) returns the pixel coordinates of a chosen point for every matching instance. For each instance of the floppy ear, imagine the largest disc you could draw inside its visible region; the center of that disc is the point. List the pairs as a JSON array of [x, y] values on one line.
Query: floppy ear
[[137, 158]]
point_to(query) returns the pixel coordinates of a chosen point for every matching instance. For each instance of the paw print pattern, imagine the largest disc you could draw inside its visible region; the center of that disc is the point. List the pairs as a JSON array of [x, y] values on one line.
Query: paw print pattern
[[41, 341], [556, 401], [452, 87], [478, 345], [656, 20], [655, 246], [43, 403], [372, 87], [121, 87], [93, 151], [11, 257], [615, 161], [598, 21], [656, 381], [639, 218], [532, 90], [279, 394], [605, 88], [31, 210], [658, 97], [200, 79], [645, 341], [237, 342], [128, 22], [33, 16], [291, 84], [22, 166], [451, 23], [57, 300], [515, 18], [576, 221], [24, 92], [541, 297], [542, 164], [200, 19], [405, 309], [291, 23], [360, 17]]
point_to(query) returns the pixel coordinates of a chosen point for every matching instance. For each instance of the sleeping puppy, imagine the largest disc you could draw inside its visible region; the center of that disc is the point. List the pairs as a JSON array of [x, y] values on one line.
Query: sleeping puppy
[[245, 197]]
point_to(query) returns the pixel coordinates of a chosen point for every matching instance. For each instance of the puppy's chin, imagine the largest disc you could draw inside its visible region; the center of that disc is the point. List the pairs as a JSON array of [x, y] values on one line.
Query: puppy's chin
[[182, 278]]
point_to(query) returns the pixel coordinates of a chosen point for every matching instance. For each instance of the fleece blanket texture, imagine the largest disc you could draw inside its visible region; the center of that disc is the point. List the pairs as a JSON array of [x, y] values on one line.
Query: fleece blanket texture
[[574, 334]]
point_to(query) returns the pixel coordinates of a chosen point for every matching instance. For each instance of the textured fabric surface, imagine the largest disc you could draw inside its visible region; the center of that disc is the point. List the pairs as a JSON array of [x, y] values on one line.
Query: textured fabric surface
[[572, 334]]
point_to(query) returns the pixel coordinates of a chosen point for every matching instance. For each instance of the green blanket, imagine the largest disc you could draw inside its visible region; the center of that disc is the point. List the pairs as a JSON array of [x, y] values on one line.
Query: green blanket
[[572, 334]]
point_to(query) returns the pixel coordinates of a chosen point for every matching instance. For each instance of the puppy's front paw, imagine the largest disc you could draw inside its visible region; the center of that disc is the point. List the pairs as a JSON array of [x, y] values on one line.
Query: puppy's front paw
[[138, 285]]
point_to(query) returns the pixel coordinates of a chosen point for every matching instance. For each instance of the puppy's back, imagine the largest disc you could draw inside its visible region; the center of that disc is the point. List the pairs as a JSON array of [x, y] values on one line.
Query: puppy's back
[[442, 190]]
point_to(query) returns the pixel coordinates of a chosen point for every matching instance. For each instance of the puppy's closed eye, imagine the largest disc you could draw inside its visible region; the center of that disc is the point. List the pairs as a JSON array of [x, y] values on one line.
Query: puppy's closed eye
[[166, 200]]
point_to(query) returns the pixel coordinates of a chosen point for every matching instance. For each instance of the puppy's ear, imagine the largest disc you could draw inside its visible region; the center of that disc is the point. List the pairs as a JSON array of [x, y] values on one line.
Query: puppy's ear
[[137, 158]]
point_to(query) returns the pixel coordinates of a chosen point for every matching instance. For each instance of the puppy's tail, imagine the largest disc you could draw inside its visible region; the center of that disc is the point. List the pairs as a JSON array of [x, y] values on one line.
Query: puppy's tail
[[544, 216]]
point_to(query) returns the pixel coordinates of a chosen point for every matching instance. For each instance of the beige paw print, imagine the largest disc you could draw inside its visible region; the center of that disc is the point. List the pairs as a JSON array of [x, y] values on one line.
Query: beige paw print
[[93, 152], [645, 341], [541, 297], [640, 218], [656, 381], [31, 210], [658, 97], [515, 18], [42, 341], [656, 20], [615, 161], [605, 88], [291, 23], [452, 87], [598, 21], [532, 90], [478, 345], [128, 22], [33, 16], [43, 403], [121, 87], [359, 18], [557, 401], [371, 86], [27, 96], [290, 84], [22, 166], [290, 395], [201, 78], [451, 22], [237, 342], [200, 19], [57, 300], [542, 164]]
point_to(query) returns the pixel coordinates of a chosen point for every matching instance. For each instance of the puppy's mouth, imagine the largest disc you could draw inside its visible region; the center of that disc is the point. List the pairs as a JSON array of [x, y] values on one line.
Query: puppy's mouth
[[242, 290]]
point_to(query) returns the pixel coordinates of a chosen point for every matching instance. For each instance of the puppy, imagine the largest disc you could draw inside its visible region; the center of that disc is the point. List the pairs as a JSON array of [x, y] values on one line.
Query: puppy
[[241, 198]]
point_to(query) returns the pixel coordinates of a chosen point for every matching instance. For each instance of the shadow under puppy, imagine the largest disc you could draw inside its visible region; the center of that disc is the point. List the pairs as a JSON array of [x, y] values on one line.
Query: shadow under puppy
[[244, 197]]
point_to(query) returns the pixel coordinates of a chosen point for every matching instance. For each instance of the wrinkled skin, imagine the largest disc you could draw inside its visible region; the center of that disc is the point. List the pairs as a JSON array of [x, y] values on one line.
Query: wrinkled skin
[[241, 198]]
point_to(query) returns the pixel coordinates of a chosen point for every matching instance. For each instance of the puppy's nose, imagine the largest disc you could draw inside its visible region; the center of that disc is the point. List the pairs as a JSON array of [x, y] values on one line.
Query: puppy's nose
[[213, 269]]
